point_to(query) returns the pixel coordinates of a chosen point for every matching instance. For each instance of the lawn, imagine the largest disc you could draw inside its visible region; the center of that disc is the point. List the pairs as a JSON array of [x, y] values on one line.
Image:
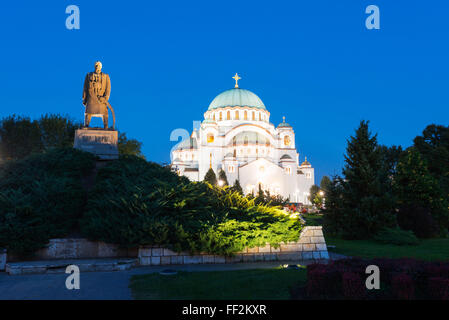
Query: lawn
[[258, 284], [428, 249]]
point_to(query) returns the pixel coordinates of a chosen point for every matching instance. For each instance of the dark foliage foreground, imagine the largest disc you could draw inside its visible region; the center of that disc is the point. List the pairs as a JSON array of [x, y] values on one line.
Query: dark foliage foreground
[[400, 279], [139, 203], [42, 197]]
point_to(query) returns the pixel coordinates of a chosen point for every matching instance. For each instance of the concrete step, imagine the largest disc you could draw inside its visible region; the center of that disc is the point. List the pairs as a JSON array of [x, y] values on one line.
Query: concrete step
[[59, 266]]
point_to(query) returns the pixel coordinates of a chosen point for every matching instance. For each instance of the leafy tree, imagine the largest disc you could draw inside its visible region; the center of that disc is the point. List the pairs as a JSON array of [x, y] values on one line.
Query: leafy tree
[[390, 157], [19, 137], [314, 190], [433, 145], [414, 185], [57, 131], [129, 146], [366, 203], [237, 187], [222, 177], [211, 177], [325, 184]]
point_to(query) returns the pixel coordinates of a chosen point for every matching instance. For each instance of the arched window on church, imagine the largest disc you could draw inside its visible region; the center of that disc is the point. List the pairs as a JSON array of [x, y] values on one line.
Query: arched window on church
[[235, 153], [234, 141], [245, 141], [245, 115], [236, 115], [254, 116], [228, 115], [221, 116], [260, 116], [287, 140], [214, 117], [210, 137]]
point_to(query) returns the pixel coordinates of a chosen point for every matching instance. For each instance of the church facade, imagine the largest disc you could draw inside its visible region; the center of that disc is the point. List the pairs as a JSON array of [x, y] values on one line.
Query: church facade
[[236, 136]]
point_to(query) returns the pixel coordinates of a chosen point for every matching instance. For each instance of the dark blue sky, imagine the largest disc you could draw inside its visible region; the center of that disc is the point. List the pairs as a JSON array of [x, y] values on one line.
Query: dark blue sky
[[312, 61]]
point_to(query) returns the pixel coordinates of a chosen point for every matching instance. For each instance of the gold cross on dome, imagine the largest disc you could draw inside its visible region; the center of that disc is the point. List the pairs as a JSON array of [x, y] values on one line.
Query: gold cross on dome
[[283, 118], [236, 78]]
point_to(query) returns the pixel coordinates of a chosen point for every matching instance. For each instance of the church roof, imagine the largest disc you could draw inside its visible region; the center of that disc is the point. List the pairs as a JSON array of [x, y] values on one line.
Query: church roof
[[236, 97]]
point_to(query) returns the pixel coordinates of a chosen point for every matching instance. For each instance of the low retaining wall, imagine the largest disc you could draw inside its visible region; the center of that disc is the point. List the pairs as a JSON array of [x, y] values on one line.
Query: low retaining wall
[[311, 245], [78, 249]]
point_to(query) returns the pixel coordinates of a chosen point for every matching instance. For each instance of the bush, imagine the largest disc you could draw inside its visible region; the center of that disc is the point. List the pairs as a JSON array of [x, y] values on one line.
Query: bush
[[439, 288], [397, 237], [139, 203], [403, 287], [418, 219], [353, 286], [41, 197], [400, 279]]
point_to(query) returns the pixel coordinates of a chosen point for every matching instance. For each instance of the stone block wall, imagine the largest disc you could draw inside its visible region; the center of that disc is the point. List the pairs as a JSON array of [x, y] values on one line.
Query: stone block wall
[[311, 245], [78, 249]]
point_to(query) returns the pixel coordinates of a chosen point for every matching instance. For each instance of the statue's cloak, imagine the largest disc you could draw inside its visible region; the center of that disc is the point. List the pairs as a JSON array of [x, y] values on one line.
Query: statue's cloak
[[97, 87]]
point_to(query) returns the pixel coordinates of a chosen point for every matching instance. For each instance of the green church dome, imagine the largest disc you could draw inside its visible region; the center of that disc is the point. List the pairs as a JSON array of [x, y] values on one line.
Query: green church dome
[[237, 97]]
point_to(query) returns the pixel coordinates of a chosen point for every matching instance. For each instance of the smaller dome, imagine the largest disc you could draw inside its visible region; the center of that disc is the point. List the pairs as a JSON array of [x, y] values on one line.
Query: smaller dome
[[306, 163], [284, 124], [249, 137]]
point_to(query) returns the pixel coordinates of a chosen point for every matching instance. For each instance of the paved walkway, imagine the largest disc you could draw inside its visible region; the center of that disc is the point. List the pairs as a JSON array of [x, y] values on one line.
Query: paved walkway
[[96, 285]]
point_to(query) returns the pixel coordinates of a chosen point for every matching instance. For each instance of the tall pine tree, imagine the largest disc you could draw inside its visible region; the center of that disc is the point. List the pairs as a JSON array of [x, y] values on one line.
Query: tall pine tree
[[366, 201], [222, 177], [237, 187]]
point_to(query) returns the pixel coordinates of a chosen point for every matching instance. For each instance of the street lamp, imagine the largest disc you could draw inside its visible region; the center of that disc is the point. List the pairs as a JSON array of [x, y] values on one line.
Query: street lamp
[[220, 183]]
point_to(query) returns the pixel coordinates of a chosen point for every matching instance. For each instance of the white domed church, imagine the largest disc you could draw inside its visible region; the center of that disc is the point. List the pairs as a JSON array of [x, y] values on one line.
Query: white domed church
[[237, 137]]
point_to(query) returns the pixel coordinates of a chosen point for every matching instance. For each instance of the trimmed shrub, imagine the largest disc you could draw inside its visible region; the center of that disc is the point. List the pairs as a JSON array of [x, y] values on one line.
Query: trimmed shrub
[[396, 236]]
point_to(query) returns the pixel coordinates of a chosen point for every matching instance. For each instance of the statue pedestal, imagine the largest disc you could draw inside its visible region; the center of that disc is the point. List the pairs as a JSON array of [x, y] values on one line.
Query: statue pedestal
[[100, 142]]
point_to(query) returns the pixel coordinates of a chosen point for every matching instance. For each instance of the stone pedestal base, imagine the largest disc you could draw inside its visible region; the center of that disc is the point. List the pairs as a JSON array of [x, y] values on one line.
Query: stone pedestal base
[[102, 143]]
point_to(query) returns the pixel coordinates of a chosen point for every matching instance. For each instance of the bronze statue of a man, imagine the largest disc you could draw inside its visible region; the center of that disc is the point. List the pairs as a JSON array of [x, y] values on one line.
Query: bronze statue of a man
[[97, 88]]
